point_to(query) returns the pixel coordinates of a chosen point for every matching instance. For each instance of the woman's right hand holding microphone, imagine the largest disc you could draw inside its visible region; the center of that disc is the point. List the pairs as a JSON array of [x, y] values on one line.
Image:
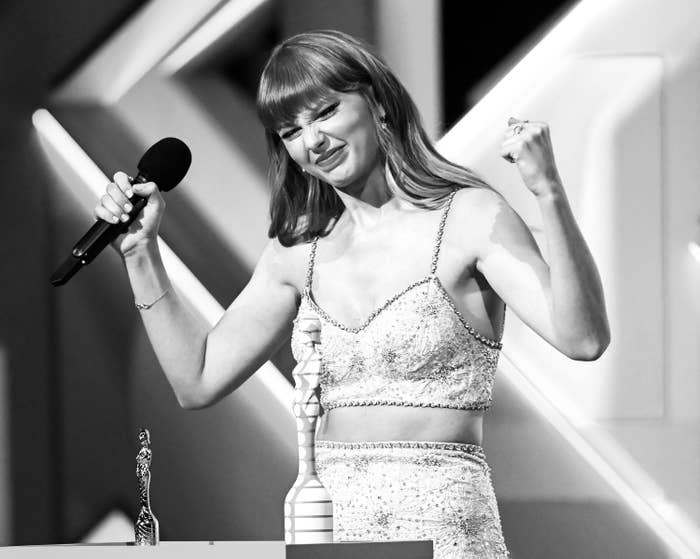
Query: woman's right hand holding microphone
[[116, 203]]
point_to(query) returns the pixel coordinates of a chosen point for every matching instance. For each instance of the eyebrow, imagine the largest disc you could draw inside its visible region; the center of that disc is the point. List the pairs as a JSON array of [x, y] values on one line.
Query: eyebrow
[[315, 108]]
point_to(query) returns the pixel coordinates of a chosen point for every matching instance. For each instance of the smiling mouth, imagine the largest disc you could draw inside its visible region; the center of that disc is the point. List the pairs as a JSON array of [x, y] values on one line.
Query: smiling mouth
[[328, 155]]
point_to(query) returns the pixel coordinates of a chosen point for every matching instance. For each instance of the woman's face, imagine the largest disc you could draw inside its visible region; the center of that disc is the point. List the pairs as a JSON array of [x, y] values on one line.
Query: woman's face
[[335, 141]]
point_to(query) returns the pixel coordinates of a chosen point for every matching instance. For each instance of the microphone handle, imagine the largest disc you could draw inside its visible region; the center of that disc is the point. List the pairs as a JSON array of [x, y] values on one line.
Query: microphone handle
[[96, 239], [103, 233]]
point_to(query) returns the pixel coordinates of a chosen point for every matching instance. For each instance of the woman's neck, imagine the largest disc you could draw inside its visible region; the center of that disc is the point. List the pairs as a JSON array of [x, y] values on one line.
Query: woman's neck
[[367, 201]]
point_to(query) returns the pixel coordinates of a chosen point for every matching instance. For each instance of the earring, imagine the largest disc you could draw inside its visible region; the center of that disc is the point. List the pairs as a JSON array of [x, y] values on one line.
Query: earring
[[382, 120]]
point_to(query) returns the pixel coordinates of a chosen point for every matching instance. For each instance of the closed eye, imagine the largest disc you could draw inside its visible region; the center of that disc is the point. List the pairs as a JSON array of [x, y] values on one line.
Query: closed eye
[[323, 114], [330, 109], [287, 134]]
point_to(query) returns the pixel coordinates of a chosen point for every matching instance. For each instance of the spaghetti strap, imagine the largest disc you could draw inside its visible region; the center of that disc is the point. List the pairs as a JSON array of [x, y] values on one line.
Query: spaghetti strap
[[441, 229], [310, 267]]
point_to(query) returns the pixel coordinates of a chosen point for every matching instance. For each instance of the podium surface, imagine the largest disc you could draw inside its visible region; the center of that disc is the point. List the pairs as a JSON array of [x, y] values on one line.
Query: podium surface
[[239, 550]]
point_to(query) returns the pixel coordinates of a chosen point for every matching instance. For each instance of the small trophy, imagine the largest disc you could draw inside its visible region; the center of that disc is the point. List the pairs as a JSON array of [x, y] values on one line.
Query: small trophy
[[146, 530], [308, 509]]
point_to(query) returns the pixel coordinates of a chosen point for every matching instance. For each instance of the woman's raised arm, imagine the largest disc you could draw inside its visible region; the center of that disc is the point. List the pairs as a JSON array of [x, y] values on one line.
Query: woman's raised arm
[[561, 299], [203, 365]]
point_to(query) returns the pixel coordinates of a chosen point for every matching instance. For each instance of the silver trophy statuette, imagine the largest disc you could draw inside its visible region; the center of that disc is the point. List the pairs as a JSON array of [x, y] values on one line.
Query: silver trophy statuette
[[308, 508], [146, 529]]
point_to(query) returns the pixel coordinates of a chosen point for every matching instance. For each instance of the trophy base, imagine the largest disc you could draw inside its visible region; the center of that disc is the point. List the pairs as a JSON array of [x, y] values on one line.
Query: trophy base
[[226, 550]]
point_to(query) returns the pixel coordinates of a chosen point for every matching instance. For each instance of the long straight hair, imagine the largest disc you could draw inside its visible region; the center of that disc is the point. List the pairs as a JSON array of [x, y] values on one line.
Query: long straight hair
[[308, 68]]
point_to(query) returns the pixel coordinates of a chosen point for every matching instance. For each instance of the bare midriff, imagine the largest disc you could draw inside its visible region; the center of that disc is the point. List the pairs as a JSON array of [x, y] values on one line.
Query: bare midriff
[[401, 423]]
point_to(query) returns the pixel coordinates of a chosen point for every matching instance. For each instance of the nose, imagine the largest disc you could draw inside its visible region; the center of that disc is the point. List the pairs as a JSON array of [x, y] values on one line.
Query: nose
[[314, 140]]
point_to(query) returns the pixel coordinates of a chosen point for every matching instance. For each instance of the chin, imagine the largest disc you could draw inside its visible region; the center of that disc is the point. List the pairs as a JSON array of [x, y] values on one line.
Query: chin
[[339, 183], [339, 180], [345, 177]]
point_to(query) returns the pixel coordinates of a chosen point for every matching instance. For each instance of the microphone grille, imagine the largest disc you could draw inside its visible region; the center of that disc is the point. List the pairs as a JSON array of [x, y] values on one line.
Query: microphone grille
[[166, 163]]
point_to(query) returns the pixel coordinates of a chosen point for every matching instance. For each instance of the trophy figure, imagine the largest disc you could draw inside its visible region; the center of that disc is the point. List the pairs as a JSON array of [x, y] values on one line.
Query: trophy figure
[[308, 510], [146, 530]]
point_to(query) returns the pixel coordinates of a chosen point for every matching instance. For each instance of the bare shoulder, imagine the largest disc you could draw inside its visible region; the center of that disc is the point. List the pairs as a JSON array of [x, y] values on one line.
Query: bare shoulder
[[489, 221], [287, 265], [477, 202], [480, 210]]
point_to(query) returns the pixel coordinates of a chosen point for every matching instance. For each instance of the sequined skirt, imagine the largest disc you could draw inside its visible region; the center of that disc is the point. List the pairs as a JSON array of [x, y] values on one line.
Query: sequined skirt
[[403, 490]]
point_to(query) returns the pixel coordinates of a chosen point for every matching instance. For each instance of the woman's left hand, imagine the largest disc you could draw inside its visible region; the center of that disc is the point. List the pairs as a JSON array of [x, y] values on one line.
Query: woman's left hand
[[528, 145]]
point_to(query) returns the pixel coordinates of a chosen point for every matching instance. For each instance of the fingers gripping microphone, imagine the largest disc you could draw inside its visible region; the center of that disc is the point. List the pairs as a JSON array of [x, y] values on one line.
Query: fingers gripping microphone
[[166, 163]]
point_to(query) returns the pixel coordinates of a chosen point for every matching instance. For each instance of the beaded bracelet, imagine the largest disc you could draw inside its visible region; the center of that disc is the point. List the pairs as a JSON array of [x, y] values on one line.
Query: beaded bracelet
[[146, 306]]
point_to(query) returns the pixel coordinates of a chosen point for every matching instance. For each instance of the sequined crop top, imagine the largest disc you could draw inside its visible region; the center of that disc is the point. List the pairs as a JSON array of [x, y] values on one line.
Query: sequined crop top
[[416, 349]]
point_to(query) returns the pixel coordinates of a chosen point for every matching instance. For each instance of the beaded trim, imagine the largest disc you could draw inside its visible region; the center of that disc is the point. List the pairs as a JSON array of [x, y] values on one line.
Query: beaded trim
[[474, 450], [310, 267], [351, 403], [399, 444], [446, 296], [373, 314], [441, 229]]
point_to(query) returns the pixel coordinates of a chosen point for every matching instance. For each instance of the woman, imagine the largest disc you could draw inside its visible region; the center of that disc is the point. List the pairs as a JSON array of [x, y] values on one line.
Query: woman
[[411, 303]]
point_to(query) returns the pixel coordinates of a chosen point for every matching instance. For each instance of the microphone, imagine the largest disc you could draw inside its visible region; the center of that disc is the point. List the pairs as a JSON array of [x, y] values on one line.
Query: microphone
[[166, 163]]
